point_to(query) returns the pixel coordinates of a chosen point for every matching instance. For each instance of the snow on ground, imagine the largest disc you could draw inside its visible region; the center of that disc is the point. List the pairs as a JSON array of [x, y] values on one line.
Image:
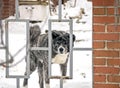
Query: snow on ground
[[82, 60]]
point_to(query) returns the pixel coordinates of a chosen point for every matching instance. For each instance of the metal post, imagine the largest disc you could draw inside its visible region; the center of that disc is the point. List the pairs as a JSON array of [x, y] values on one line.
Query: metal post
[[18, 82], [7, 52], [61, 83], [28, 49], [16, 9], [71, 48], [60, 10], [50, 48]]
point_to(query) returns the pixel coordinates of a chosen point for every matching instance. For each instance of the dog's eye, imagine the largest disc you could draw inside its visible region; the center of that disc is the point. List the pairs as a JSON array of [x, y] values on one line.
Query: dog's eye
[[65, 42], [57, 42]]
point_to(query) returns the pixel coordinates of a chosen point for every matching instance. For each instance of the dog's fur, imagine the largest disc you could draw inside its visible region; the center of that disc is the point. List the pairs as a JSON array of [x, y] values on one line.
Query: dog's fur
[[60, 53]]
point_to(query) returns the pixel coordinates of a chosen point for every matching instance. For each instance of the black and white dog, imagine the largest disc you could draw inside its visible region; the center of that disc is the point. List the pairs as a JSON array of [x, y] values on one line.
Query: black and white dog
[[39, 59]]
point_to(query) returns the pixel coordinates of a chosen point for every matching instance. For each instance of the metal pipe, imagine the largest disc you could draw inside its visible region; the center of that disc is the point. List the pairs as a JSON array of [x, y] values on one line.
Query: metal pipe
[[28, 48], [39, 48], [18, 82], [83, 49], [49, 47], [17, 9], [61, 83], [60, 10], [71, 48], [7, 52]]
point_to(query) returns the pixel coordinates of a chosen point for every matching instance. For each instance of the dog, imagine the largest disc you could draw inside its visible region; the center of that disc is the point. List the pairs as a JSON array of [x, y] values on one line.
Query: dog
[[39, 59]]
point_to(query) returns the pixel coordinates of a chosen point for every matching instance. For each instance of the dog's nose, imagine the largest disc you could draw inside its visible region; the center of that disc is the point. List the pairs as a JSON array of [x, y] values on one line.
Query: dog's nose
[[61, 50]]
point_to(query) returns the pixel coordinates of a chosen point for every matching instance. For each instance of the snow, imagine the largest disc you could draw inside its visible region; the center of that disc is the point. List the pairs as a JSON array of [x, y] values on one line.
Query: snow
[[82, 60]]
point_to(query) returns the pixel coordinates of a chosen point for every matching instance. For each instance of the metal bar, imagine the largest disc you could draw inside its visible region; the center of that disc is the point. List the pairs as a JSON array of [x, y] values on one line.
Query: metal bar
[[71, 48], [18, 82], [83, 49], [39, 48], [3, 47], [27, 49], [16, 9], [75, 3], [59, 77], [61, 83], [62, 20], [50, 47], [7, 52], [18, 20], [16, 76], [60, 10]]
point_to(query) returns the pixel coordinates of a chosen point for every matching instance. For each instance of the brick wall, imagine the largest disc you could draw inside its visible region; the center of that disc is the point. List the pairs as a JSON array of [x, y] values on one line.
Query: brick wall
[[7, 8], [106, 45]]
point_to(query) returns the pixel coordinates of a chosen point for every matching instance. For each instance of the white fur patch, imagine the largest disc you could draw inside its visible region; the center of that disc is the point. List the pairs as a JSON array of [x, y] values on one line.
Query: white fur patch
[[60, 58]]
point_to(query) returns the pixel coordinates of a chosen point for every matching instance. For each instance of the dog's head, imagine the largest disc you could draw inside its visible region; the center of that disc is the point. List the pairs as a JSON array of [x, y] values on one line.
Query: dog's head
[[61, 42]]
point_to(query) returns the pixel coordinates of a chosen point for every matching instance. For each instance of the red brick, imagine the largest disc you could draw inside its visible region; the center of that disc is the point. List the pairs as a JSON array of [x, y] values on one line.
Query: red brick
[[113, 62], [110, 11], [114, 78], [99, 11], [113, 28], [104, 19], [99, 28], [99, 61], [106, 70], [113, 45], [106, 36], [103, 2], [106, 53], [119, 11], [106, 85], [99, 78], [98, 45]]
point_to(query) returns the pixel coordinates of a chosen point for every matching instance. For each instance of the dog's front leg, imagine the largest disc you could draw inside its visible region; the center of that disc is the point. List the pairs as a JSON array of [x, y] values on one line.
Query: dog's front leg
[[47, 80], [40, 73], [63, 68]]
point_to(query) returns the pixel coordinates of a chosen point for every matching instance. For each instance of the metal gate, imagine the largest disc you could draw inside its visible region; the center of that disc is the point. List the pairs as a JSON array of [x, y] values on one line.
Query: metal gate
[[28, 48]]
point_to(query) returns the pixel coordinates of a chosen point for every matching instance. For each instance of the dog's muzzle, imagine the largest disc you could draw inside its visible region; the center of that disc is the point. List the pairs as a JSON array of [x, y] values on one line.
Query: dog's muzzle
[[61, 50]]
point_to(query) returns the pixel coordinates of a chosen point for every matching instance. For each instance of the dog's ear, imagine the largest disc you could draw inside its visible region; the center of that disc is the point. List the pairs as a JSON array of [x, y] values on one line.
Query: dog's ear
[[55, 34], [68, 36], [74, 37]]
